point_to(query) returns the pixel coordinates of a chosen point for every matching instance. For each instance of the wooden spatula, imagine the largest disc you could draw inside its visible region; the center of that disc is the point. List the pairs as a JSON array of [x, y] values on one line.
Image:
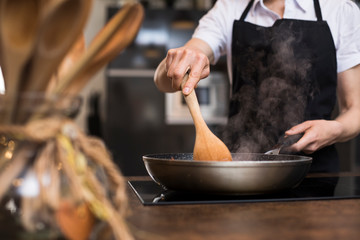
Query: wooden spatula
[[115, 36], [124, 34], [19, 28], [208, 147], [62, 25]]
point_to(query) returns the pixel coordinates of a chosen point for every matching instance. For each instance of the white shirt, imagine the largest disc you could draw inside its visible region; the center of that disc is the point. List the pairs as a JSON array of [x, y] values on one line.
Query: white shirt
[[342, 16]]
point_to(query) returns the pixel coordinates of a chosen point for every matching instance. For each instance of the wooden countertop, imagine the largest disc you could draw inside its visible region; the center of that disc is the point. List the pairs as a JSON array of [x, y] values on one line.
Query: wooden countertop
[[325, 219]]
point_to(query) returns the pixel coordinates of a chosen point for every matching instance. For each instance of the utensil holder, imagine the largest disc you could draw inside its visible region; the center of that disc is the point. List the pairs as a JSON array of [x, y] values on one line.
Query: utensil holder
[[56, 182]]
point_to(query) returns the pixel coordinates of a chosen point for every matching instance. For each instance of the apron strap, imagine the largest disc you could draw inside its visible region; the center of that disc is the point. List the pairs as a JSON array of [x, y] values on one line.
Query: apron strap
[[247, 9], [318, 10], [316, 5]]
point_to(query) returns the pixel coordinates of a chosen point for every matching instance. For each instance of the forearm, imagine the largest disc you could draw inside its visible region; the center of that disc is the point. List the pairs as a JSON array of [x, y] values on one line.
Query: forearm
[[350, 123], [349, 103]]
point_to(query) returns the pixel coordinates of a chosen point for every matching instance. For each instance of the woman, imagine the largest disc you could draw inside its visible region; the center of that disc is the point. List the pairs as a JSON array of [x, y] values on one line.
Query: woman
[[288, 61]]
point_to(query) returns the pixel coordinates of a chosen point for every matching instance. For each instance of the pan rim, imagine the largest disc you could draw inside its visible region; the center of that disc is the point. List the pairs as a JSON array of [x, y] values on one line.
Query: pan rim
[[156, 158]]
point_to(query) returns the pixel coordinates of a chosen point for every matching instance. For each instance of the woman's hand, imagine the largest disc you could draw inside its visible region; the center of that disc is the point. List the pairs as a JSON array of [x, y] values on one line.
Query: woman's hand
[[321, 133], [317, 134], [193, 58], [184, 60]]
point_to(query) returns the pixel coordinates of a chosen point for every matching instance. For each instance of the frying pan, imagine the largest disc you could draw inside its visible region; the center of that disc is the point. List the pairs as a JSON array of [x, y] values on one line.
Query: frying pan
[[247, 174]]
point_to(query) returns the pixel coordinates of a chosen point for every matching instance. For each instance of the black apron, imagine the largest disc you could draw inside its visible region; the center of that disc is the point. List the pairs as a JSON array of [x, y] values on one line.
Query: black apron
[[282, 75]]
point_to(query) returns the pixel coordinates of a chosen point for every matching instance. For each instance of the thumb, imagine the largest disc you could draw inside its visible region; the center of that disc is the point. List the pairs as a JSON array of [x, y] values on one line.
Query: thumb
[[190, 84]]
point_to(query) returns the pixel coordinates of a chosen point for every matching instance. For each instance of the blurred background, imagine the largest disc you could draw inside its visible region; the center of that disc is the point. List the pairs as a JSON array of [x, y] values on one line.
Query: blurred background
[[123, 107]]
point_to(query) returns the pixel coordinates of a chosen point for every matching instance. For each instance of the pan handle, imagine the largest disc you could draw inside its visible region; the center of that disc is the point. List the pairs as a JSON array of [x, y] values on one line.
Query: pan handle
[[284, 142]]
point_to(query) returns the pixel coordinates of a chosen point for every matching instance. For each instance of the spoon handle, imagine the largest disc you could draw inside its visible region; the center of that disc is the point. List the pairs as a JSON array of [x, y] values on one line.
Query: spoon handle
[[193, 105]]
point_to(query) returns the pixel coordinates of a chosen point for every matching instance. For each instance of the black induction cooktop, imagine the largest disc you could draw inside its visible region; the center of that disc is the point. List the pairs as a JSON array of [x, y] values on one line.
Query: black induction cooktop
[[319, 188]]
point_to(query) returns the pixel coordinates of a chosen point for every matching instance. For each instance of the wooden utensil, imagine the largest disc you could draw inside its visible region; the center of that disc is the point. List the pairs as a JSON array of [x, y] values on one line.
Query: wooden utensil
[[119, 40], [118, 33], [63, 23], [74, 54], [208, 147], [19, 26]]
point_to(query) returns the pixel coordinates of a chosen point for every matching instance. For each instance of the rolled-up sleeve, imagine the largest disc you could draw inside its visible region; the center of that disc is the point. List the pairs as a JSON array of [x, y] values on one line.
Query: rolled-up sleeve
[[214, 26]]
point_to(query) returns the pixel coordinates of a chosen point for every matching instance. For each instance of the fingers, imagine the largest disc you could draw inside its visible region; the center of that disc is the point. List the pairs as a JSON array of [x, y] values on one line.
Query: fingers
[[305, 141], [307, 144], [181, 61], [298, 129], [196, 73], [317, 134]]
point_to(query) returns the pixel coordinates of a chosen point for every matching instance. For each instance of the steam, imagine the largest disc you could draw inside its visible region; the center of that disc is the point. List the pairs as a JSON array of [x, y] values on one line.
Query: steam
[[275, 101]]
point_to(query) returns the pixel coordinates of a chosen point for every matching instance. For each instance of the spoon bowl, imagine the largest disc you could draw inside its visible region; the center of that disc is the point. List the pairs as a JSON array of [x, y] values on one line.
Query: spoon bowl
[[208, 147], [18, 30], [113, 38], [63, 22]]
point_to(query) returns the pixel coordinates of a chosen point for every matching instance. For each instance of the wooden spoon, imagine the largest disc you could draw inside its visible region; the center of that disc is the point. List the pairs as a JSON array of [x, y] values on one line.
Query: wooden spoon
[[112, 39], [63, 23], [119, 40], [19, 26], [208, 147], [74, 54]]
